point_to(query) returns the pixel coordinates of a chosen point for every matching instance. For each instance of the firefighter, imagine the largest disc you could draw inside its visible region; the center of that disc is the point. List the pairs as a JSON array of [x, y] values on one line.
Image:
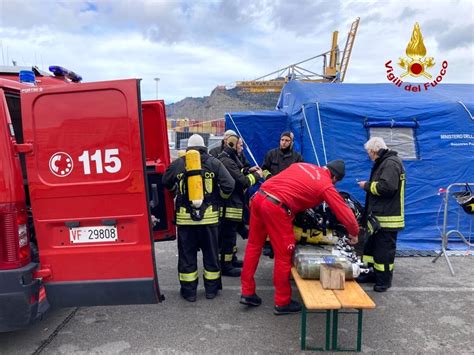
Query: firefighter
[[272, 211], [198, 220], [385, 193], [241, 227], [275, 161], [232, 213], [218, 150]]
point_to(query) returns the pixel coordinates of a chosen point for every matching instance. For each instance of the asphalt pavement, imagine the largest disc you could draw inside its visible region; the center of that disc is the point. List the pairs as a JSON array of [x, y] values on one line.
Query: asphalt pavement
[[426, 311]]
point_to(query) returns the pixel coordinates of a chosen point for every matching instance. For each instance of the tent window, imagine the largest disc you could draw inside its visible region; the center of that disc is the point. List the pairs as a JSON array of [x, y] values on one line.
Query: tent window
[[401, 139]]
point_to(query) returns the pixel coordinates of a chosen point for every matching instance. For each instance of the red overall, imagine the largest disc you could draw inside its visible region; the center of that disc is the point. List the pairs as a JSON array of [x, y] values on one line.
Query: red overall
[[297, 188]]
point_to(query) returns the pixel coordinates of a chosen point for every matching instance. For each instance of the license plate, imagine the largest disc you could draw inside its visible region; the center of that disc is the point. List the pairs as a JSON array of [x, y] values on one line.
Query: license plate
[[93, 234]]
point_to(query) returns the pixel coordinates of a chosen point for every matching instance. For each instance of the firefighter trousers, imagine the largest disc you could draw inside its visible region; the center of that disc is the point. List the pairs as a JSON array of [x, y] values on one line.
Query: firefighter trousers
[[266, 218], [379, 252], [190, 240], [227, 242]]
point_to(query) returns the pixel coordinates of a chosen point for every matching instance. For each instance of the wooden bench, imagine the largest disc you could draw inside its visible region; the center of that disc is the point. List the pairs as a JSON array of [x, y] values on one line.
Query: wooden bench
[[318, 300]]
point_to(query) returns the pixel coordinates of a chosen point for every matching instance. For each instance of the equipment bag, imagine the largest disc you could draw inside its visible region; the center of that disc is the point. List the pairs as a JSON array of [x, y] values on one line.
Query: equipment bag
[[465, 199]]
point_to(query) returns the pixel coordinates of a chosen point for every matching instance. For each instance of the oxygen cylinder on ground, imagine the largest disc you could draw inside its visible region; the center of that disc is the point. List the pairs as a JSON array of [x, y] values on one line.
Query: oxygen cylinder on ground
[[194, 181]]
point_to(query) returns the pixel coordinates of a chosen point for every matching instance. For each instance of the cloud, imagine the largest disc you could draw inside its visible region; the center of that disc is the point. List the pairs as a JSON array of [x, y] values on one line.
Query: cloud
[[192, 46], [457, 37]]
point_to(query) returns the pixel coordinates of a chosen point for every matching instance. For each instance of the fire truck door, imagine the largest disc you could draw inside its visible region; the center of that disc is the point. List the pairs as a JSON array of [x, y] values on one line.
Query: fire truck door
[[157, 155], [88, 190]]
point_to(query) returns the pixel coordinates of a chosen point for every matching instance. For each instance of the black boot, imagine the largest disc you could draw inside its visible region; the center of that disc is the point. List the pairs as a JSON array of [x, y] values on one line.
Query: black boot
[[290, 308], [236, 262], [229, 270], [243, 231], [368, 277], [210, 295], [383, 281], [268, 250], [252, 300], [187, 295]]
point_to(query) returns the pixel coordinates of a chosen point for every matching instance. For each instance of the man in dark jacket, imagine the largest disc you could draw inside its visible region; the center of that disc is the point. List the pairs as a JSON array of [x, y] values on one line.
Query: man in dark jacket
[[385, 200], [198, 225], [278, 159], [232, 214]]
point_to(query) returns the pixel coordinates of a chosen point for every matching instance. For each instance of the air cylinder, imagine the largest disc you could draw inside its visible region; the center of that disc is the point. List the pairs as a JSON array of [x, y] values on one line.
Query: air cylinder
[[194, 181]]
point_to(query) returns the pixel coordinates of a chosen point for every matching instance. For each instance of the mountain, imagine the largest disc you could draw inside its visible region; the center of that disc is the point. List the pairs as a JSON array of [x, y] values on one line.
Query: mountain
[[219, 102]]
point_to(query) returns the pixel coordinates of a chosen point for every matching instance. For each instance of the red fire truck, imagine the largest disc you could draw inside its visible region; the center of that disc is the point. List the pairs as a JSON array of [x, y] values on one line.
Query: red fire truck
[[81, 199]]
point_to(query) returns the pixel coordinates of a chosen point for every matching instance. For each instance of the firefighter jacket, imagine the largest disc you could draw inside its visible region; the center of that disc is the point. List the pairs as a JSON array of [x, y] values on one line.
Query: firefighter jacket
[[386, 191], [277, 160], [217, 150], [218, 184], [233, 207], [303, 185]]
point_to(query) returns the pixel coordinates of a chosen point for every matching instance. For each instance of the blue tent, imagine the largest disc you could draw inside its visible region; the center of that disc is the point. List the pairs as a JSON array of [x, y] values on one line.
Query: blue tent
[[433, 131]]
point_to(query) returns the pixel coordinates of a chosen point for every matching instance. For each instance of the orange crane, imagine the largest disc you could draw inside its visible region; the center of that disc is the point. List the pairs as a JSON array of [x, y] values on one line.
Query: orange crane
[[334, 71]]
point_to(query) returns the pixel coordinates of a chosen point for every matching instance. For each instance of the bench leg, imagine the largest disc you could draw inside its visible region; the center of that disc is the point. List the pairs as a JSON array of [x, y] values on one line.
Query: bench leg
[[328, 329], [359, 330], [335, 325], [303, 328]]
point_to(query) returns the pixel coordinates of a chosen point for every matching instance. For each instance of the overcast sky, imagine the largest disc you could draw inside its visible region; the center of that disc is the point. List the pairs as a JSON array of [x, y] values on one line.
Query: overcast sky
[[195, 45]]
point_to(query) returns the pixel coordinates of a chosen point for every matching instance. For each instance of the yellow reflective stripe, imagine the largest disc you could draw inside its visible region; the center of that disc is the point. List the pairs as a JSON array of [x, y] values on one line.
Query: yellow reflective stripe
[[184, 218], [381, 267], [370, 227], [190, 277], [233, 217], [390, 218], [373, 188], [234, 249], [228, 257], [212, 275], [190, 222], [224, 195], [266, 173], [392, 224], [367, 259], [234, 213], [402, 196], [251, 179], [233, 209]]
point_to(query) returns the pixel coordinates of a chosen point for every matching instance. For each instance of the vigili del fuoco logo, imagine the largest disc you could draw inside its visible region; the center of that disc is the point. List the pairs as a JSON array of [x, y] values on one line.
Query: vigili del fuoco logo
[[417, 65]]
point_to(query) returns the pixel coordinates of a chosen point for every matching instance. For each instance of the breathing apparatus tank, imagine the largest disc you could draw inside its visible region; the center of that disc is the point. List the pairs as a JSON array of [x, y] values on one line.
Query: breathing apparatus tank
[[308, 262], [194, 179]]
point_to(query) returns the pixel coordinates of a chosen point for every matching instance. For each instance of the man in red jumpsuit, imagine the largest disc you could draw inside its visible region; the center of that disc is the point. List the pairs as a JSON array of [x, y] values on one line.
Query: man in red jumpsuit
[[272, 210]]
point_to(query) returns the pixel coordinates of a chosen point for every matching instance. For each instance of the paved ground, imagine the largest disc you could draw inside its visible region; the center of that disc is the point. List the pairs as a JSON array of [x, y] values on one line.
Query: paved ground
[[426, 311]]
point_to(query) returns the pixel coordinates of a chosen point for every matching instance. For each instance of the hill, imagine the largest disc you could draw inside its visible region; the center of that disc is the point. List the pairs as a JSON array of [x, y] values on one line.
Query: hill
[[219, 102]]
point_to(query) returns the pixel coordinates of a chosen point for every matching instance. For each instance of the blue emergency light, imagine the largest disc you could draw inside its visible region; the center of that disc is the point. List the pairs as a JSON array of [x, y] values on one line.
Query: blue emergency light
[[27, 77], [60, 71]]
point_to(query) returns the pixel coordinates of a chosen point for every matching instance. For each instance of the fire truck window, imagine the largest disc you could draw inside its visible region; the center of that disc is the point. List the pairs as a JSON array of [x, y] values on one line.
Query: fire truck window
[[14, 108]]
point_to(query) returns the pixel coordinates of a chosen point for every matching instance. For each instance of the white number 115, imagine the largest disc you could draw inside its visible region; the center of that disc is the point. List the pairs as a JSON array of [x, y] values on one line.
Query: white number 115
[[112, 162]]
